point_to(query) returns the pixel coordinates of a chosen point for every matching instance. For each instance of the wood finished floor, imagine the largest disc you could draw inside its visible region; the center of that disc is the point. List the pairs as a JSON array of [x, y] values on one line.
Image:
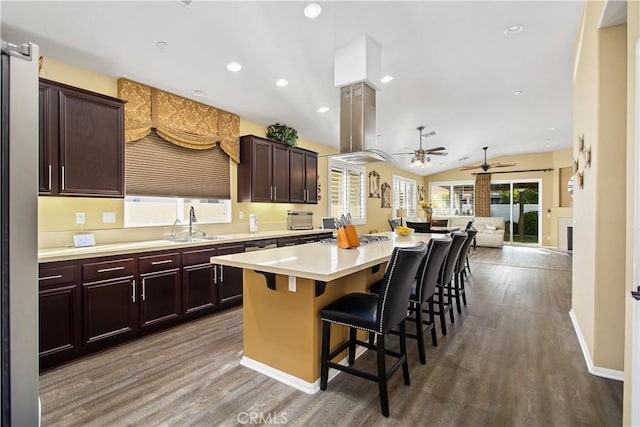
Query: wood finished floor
[[511, 359]]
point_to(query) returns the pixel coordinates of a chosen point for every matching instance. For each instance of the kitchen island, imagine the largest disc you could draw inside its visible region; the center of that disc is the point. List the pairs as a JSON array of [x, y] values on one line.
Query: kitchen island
[[284, 290]]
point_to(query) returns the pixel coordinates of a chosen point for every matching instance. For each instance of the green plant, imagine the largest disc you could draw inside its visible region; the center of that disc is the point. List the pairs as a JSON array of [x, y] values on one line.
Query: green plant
[[283, 133]]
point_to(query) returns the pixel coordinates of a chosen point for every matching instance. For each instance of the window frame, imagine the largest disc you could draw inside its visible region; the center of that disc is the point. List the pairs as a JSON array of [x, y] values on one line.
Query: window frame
[[410, 203], [451, 185], [362, 171]]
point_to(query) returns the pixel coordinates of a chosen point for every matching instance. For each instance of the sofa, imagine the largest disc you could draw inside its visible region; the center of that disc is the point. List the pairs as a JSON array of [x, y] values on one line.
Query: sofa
[[490, 229]]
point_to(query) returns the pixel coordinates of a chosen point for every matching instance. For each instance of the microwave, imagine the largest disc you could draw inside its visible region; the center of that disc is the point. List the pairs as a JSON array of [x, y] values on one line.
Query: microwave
[[299, 220]]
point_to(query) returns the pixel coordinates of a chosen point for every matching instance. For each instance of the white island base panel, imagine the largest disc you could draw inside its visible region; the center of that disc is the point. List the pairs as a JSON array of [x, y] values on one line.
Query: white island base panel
[[290, 380]]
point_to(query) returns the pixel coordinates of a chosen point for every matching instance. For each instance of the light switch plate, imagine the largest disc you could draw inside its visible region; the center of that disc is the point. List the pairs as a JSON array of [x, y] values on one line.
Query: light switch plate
[[81, 240], [108, 217]]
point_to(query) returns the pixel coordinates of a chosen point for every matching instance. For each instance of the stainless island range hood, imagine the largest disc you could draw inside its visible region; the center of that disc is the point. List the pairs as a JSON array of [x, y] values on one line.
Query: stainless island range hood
[[358, 125]]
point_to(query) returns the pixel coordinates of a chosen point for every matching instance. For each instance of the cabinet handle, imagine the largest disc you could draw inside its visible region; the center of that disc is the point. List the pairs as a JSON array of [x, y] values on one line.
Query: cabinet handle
[[105, 270], [306, 195], [143, 289], [166, 261], [270, 192], [133, 290], [221, 274], [275, 193], [57, 276], [215, 275], [63, 177], [49, 178]]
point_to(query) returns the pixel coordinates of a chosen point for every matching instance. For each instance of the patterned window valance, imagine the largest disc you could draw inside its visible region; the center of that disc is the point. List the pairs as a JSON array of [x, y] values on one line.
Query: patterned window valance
[[179, 120]]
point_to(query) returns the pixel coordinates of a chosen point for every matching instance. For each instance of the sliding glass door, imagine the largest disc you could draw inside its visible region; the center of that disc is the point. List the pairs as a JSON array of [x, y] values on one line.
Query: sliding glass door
[[518, 202]]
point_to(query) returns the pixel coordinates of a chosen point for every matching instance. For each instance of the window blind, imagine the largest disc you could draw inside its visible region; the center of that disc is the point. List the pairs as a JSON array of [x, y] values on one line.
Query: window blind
[[405, 195], [155, 167], [347, 192]]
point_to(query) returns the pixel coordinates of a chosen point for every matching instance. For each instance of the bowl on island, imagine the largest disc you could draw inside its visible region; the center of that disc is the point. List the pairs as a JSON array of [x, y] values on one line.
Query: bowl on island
[[403, 231]]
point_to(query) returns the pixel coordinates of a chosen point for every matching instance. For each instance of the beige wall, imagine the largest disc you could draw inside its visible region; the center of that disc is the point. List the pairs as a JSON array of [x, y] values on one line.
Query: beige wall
[[56, 215], [550, 184], [633, 34], [599, 255]]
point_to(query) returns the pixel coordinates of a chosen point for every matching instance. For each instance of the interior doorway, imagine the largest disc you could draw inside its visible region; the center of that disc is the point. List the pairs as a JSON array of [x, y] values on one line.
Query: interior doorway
[[518, 202]]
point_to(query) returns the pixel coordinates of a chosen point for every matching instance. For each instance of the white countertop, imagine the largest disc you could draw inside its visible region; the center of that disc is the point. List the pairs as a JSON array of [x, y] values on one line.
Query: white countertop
[[321, 261], [71, 253]]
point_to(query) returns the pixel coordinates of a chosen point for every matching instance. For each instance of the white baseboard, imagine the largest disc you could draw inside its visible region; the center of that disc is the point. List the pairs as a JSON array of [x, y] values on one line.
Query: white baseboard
[[595, 370], [291, 380]]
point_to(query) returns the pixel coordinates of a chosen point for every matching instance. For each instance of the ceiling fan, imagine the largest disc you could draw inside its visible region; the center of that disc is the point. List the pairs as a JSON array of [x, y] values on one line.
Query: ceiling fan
[[421, 157], [486, 166]]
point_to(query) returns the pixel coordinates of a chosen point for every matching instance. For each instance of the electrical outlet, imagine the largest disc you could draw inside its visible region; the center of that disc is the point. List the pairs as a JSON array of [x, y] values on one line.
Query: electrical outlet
[[292, 283], [240, 215], [80, 218], [108, 217]]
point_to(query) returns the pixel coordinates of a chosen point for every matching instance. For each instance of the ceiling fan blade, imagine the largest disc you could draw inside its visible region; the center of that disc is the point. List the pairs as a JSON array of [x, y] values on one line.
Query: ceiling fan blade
[[502, 165], [468, 168], [431, 150], [437, 154], [397, 154]]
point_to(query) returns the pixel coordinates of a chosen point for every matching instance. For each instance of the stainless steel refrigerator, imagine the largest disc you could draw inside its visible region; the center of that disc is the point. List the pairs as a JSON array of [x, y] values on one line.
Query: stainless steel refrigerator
[[18, 245]]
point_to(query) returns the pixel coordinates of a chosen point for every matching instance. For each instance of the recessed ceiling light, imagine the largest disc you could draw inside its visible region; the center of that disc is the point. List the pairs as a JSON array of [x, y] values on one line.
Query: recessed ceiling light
[[323, 109], [162, 45], [199, 93], [552, 129], [386, 79], [234, 67], [312, 10], [518, 92], [514, 29], [282, 82]]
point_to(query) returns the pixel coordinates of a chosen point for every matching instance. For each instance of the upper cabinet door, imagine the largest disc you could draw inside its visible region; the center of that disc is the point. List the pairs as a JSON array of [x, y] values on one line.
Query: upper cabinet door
[[81, 142], [280, 173], [91, 145], [48, 157], [311, 178], [297, 176], [261, 182]]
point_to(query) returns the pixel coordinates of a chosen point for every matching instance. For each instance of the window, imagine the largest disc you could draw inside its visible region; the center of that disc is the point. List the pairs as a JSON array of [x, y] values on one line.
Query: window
[[148, 211], [452, 198], [347, 191], [405, 195]]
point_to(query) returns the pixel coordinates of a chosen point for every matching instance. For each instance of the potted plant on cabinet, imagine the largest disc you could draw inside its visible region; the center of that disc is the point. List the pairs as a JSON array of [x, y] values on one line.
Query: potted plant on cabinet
[[283, 133]]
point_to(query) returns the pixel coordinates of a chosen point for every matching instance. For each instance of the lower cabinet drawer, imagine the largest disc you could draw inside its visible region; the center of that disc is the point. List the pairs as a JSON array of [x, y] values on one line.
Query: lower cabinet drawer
[[108, 269], [150, 264]]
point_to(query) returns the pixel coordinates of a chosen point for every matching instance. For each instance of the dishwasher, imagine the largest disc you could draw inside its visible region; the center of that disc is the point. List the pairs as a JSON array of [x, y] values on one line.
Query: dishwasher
[[259, 245]]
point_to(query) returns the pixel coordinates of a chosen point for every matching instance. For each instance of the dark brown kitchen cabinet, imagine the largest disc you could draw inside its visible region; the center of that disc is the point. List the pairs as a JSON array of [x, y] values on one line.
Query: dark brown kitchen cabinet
[[206, 285], [109, 299], [287, 241], [81, 142], [263, 171], [199, 293], [161, 296], [303, 174], [229, 279], [59, 312]]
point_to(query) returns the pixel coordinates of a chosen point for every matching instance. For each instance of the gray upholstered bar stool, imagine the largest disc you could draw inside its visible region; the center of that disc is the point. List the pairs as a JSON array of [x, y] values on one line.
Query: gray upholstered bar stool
[[374, 314]]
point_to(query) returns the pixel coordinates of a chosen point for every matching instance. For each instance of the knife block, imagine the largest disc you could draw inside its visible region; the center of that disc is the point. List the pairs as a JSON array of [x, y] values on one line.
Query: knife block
[[348, 237]]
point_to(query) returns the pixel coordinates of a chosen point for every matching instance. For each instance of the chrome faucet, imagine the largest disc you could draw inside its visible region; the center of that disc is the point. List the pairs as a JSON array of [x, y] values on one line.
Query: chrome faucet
[[192, 219]]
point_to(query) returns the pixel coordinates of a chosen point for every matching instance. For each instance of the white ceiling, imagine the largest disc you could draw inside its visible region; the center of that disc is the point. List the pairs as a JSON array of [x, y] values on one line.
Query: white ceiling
[[455, 70]]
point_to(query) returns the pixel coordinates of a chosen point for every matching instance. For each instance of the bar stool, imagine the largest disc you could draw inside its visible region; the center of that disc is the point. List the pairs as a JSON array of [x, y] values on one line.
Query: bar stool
[[446, 277], [422, 293], [374, 314], [458, 285]]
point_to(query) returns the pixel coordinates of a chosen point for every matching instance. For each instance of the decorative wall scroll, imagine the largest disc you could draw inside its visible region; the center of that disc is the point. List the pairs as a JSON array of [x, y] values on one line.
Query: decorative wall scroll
[[420, 193], [386, 195], [581, 162], [374, 184]]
